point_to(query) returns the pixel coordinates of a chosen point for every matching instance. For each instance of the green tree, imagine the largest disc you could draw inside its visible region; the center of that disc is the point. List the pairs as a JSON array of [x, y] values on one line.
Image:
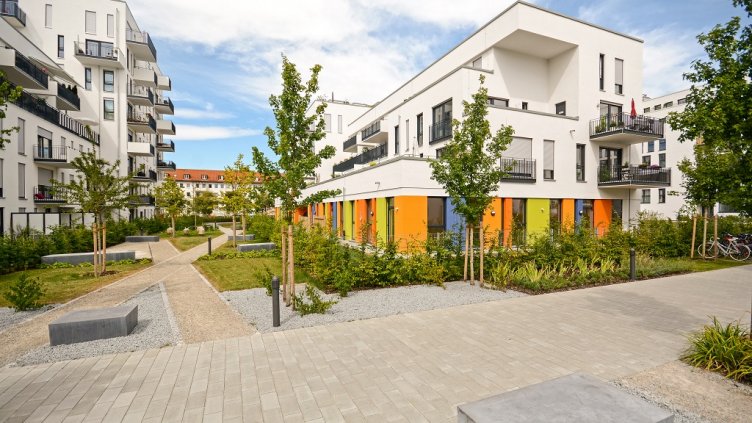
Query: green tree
[[719, 105], [203, 203], [96, 188], [171, 199], [470, 168], [293, 142], [241, 180], [8, 93], [232, 203]]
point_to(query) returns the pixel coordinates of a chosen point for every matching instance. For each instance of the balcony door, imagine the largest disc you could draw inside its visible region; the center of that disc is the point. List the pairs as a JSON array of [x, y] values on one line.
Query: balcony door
[[610, 158], [610, 113]]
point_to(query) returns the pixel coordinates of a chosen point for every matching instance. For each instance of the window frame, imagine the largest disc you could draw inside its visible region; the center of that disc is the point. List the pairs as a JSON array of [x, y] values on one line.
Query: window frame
[[651, 146], [87, 79], [434, 229], [48, 15], [602, 71], [105, 85], [106, 113], [580, 161], [645, 196], [661, 195], [419, 129], [88, 13], [563, 106], [110, 25], [60, 46]]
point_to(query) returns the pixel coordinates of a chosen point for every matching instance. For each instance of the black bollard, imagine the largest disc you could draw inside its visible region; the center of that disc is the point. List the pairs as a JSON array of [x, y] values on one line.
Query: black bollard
[[209, 245], [632, 265], [275, 301]]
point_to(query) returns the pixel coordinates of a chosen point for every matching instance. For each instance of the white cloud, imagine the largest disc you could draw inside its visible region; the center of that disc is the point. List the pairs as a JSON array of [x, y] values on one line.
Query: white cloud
[[668, 53], [205, 133], [205, 114]]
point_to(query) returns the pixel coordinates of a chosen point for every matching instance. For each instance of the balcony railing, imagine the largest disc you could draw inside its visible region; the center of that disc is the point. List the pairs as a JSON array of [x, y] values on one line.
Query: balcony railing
[[46, 194], [46, 153], [141, 91], [440, 131], [370, 131], [625, 123], [166, 145], [10, 8], [142, 118], [142, 200], [31, 69], [518, 169], [142, 38], [634, 175], [145, 175], [69, 95], [40, 108], [97, 50], [350, 142], [362, 158], [165, 165], [166, 102]]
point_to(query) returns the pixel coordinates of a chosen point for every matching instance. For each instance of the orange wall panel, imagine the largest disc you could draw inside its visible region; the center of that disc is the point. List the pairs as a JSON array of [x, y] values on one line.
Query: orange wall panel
[[602, 215], [360, 218], [492, 223], [507, 221], [410, 215], [567, 214]]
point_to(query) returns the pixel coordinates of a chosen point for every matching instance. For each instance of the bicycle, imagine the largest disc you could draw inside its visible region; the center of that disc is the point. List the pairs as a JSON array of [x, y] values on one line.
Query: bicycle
[[730, 248]]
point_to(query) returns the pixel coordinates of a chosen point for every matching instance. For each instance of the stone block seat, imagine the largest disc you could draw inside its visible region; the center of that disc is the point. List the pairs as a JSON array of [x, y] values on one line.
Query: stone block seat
[[256, 247], [248, 237], [575, 398], [78, 258], [88, 325], [142, 238]]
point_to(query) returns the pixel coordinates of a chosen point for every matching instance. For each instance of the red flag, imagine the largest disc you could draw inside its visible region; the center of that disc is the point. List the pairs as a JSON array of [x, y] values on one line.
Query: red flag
[[633, 113]]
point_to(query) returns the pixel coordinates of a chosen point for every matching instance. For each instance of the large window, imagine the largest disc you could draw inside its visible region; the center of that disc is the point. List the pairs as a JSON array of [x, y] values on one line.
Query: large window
[[548, 159], [442, 121], [555, 214], [48, 16], [619, 76], [519, 220], [111, 26], [327, 122], [580, 167], [109, 109], [645, 196], [588, 216], [108, 81], [662, 195], [396, 140], [21, 180], [436, 215], [662, 144], [419, 129], [61, 46], [91, 22], [662, 160], [87, 78], [616, 210], [601, 64], [21, 136], [646, 160], [651, 146]]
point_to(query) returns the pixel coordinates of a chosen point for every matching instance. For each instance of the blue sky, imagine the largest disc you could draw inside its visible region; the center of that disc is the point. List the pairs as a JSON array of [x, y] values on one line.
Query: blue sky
[[224, 56]]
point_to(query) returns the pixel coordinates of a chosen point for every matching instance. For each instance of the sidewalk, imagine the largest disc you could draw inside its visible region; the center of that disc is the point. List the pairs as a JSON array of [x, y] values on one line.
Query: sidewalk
[[412, 367]]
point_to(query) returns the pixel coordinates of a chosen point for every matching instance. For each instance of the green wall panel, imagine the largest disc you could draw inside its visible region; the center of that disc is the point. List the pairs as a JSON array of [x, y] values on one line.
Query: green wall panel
[[381, 219], [348, 218], [538, 216]]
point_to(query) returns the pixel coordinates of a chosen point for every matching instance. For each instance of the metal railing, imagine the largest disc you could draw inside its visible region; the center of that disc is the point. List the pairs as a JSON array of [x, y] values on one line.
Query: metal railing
[[10, 8], [142, 38], [43, 152], [440, 130], [165, 101], [166, 165], [144, 174], [69, 95], [350, 142], [46, 194], [166, 144], [97, 49], [141, 91], [634, 175], [370, 131], [142, 118], [518, 169], [362, 158], [624, 122], [31, 69]]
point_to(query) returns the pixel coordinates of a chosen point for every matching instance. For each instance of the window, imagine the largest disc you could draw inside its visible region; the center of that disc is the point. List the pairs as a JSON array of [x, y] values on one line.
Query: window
[[111, 26], [339, 124], [61, 46], [524, 105], [48, 15], [619, 76], [21, 136], [44, 143], [439, 152], [204, 177], [668, 104], [1, 180], [548, 159], [645, 196], [419, 129], [554, 213], [221, 177], [646, 160], [91, 22], [651, 146], [108, 81], [561, 108], [681, 101], [616, 210], [436, 223], [662, 160], [478, 63], [396, 140], [646, 110], [601, 64], [109, 109], [662, 144], [662, 195], [519, 220], [21, 180], [327, 122], [588, 216], [442, 121], [210, 185], [580, 163], [87, 78], [496, 101], [186, 176], [657, 107], [181, 185]]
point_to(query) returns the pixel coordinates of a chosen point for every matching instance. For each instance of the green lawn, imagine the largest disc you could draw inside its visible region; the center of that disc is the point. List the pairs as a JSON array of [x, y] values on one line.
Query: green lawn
[[185, 242], [62, 285], [241, 273]]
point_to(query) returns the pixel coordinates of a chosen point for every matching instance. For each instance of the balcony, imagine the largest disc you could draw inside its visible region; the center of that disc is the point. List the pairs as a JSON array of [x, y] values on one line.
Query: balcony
[[164, 106], [143, 149], [47, 195], [161, 165], [141, 123], [165, 127], [21, 71], [166, 146], [144, 76], [440, 131], [13, 14], [350, 145], [143, 175], [139, 200], [67, 98], [373, 134], [625, 129], [54, 156], [363, 158], [164, 83], [139, 43], [634, 177], [140, 96], [40, 108], [99, 53], [518, 170]]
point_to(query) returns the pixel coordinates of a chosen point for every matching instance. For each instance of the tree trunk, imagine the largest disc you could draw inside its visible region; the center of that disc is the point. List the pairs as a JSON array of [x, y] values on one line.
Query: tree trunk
[[104, 246], [95, 240], [172, 221], [715, 235], [704, 232], [480, 231], [242, 223], [283, 241], [472, 255], [291, 269], [694, 234], [467, 249], [234, 243]]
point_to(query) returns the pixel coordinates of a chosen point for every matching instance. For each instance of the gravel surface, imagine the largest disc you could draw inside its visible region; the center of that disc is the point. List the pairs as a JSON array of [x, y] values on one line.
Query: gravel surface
[[680, 416], [9, 316], [256, 306], [153, 331]]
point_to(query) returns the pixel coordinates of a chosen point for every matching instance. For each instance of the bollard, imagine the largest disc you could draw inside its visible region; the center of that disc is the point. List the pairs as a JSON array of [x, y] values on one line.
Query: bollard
[[209, 245], [632, 265], [275, 301]]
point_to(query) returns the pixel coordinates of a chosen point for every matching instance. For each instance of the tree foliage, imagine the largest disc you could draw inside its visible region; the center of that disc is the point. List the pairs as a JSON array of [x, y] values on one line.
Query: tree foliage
[[171, 199], [719, 105], [8, 93], [204, 202], [707, 176]]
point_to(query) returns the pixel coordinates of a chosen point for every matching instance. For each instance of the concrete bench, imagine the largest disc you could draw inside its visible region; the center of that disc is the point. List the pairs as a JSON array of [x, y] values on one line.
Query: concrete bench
[[574, 398], [248, 237], [256, 247], [78, 258], [142, 238], [88, 325]]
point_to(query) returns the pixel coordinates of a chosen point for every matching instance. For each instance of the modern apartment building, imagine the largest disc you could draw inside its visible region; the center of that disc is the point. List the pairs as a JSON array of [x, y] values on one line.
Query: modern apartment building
[[564, 85], [91, 83]]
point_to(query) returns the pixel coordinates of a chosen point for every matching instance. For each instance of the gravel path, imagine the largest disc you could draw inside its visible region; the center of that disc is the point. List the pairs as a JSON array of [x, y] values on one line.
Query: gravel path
[[153, 331], [256, 306], [10, 317]]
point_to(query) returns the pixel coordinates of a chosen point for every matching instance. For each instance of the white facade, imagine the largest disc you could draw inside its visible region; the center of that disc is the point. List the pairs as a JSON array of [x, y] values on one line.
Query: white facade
[[104, 93]]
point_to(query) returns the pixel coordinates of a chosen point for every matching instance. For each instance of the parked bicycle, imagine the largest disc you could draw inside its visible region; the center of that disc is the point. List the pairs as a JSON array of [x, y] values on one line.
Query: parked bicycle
[[728, 246]]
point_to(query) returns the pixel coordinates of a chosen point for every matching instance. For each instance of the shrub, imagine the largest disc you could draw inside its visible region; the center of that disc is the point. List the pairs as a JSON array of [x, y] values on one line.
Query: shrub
[[261, 226], [25, 293], [314, 304], [725, 349], [264, 278]]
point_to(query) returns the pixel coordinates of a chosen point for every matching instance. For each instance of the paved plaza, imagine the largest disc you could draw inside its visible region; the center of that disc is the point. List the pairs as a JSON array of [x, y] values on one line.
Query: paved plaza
[[412, 367]]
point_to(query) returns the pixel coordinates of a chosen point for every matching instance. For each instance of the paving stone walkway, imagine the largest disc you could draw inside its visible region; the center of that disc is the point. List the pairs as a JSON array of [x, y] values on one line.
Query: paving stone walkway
[[410, 368]]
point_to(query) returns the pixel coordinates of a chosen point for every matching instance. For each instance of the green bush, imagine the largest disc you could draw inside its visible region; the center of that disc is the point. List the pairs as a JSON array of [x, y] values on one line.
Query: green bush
[[313, 304], [261, 226], [725, 349], [25, 293]]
